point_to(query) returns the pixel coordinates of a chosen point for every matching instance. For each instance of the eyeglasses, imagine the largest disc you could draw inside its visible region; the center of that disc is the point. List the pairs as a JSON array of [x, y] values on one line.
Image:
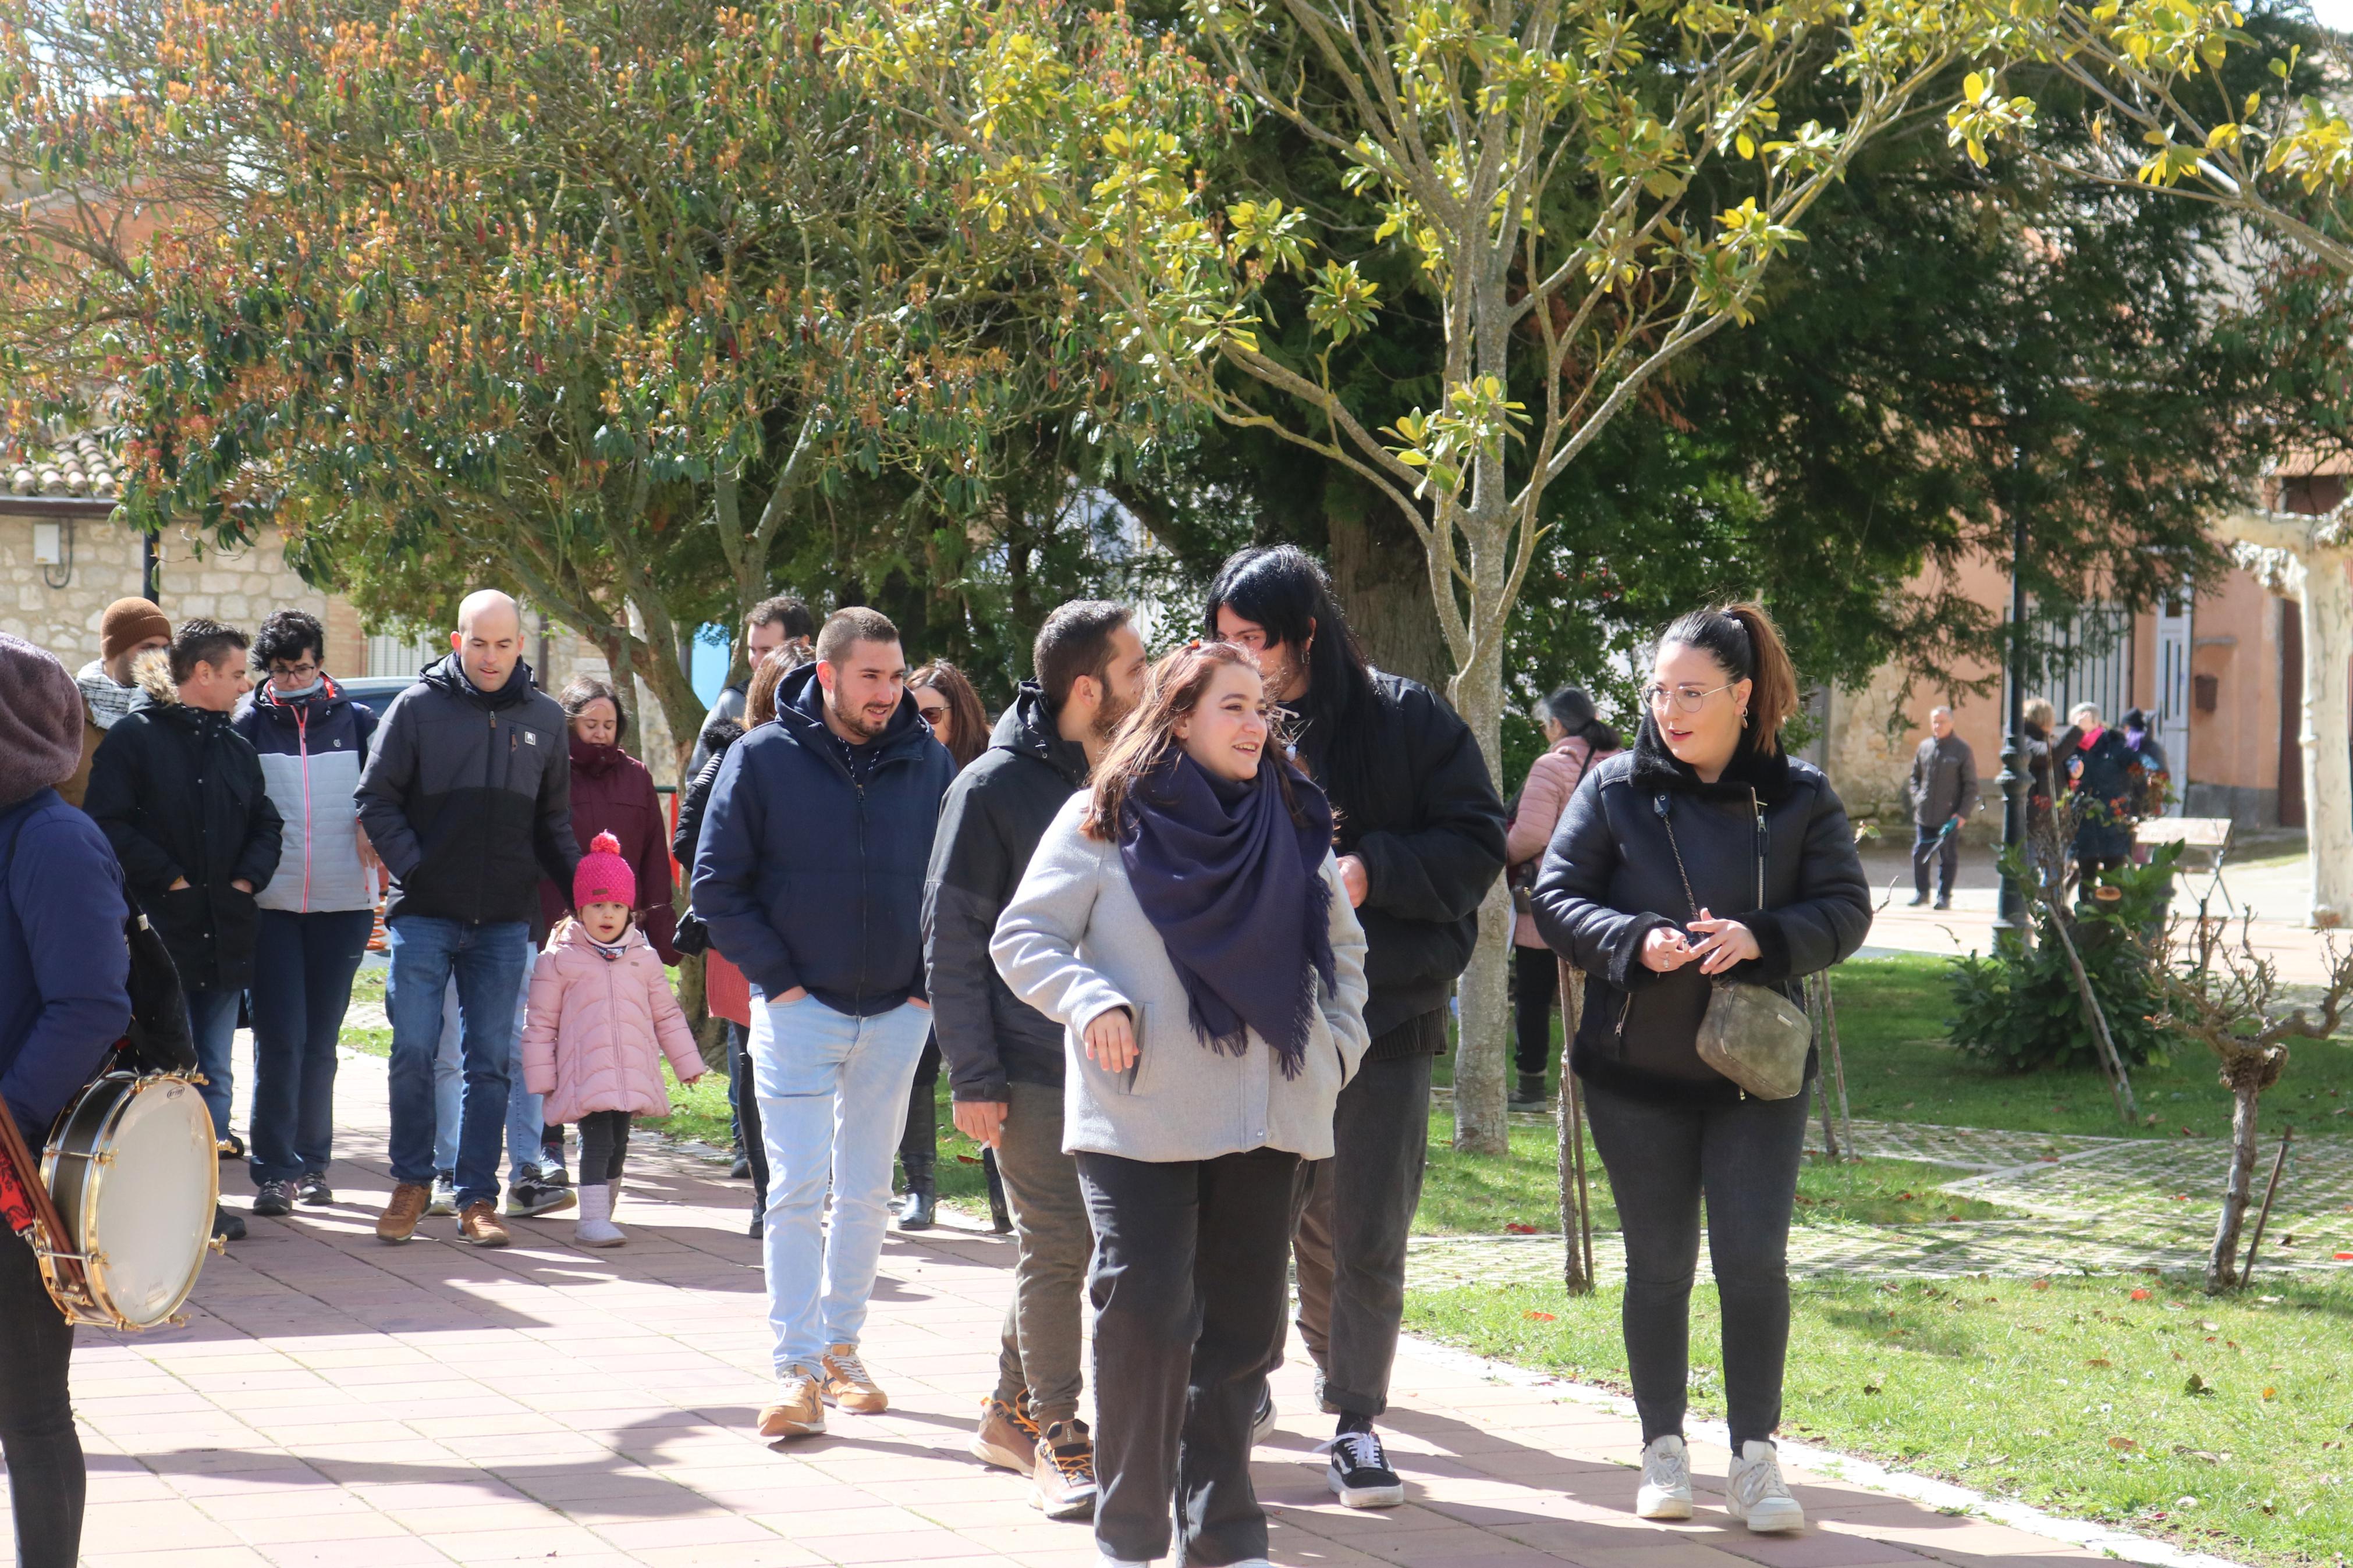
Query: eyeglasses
[[1687, 698], [280, 670], [932, 715]]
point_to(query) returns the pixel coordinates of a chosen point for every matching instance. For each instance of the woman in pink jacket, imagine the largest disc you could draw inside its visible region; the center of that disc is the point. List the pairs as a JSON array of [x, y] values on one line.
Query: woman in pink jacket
[[602, 1017], [1578, 740]]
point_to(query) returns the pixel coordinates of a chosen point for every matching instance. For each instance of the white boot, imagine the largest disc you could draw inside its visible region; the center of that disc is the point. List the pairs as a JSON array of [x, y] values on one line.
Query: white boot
[[1759, 1494], [1665, 1492], [595, 1227]]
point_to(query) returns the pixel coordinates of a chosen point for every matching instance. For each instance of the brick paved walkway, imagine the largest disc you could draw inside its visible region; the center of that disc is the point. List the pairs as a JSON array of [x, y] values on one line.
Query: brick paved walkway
[[338, 1402]]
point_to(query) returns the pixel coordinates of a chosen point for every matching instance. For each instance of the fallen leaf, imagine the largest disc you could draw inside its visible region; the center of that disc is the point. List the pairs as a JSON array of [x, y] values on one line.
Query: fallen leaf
[[2197, 1384], [2210, 1328], [1871, 1388], [967, 1159], [1539, 1317], [2122, 1445], [2099, 1361], [2271, 1393], [1515, 1228], [2344, 1257], [2039, 1285], [2140, 1295]]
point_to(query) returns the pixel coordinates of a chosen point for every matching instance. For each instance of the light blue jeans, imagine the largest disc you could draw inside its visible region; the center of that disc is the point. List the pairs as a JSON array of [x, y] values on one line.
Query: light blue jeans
[[832, 1091], [524, 1128]]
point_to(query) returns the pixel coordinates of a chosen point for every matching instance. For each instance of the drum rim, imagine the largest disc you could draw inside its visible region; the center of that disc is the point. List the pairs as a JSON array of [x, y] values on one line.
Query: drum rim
[[123, 1090]]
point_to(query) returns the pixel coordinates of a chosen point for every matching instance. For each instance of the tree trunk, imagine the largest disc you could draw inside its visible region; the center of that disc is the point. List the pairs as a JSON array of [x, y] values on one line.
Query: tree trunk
[[2222, 1263], [1482, 1044], [1383, 582], [2327, 760]]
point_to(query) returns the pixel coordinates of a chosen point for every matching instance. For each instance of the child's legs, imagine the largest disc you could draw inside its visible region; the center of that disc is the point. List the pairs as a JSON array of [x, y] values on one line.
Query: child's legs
[[604, 1145]]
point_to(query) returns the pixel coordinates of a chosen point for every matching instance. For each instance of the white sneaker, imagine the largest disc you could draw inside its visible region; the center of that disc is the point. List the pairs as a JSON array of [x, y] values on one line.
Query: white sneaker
[[1105, 1559], [1759, 1494], [1665, 1492], [1263, 1421], [595, 1227]]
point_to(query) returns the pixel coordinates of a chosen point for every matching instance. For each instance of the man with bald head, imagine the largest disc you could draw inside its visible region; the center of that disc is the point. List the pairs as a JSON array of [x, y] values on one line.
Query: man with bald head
[[468, 800]]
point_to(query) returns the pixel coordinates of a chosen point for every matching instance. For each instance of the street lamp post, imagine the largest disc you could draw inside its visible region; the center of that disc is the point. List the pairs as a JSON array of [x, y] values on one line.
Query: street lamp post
[[2016, 779]]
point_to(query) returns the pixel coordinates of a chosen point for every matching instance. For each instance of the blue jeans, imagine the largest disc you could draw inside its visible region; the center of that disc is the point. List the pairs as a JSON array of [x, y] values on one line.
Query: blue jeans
[[523, 1128], [212, 1020], [832, 1095], [301, 987], [487, 959]]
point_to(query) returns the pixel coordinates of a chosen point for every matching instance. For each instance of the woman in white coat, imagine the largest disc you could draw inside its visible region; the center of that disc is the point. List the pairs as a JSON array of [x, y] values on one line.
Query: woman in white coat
[[1184, 922]]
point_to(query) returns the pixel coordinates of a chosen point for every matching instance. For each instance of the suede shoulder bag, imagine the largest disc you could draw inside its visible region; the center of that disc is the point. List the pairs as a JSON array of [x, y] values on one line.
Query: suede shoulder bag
[[1751, 1034]]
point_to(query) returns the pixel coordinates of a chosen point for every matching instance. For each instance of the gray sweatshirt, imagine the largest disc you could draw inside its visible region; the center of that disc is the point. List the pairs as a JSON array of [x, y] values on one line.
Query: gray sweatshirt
[[1074, 944]]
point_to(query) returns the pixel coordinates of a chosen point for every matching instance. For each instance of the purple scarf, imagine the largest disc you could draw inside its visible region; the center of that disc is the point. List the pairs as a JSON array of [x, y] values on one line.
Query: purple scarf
[[1235, 888]]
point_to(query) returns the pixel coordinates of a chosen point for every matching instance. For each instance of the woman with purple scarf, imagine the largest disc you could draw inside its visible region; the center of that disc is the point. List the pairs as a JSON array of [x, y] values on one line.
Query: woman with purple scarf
[[1184, 921]]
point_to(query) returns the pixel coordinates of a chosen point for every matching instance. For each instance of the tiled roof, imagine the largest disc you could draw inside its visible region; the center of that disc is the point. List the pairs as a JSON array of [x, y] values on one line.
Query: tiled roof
[[76, 465]]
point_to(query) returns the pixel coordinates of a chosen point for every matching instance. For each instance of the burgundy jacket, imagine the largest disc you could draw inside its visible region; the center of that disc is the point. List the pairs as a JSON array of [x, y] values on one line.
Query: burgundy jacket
[[613, 793]]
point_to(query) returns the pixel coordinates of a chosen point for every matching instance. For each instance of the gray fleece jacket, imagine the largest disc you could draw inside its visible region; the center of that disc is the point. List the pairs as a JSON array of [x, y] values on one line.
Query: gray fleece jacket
[[1074, 944]]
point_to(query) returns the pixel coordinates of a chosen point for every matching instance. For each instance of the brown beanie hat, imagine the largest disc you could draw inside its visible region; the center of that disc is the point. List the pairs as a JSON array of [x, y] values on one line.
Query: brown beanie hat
[[127, 624], [40, 719]]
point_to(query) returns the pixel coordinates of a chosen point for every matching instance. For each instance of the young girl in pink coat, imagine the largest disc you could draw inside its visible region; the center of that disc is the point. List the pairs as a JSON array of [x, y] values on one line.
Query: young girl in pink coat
[[602, 1017]]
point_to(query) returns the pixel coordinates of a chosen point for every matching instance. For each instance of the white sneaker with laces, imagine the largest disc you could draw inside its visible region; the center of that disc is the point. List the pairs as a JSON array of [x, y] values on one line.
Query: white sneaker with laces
[[1759, 1494], [1665, 1492]]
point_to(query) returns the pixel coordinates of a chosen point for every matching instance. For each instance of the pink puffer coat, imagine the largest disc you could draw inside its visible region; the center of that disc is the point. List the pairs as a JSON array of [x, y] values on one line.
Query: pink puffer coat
[[599, 1027]]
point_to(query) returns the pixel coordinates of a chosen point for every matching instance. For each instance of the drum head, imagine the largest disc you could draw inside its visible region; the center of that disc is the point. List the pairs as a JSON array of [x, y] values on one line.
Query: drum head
[[151, 1218]]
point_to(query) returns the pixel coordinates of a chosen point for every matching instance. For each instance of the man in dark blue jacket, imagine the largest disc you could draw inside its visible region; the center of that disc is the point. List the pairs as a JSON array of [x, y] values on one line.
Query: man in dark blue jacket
[[63, 1000], [810, 875]]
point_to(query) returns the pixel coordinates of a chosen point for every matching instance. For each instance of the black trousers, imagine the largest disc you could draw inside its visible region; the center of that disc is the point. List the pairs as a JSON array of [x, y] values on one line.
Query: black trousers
[[1187, 1286], [1355, 1211], [1662, 1159], [1934, 844], [604, 1146], [1535, 982], [747, 1112], [45, 1480]]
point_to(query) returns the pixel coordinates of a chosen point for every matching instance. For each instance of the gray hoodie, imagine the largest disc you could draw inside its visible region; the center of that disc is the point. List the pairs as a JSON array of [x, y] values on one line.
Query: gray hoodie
[[1074, 944]]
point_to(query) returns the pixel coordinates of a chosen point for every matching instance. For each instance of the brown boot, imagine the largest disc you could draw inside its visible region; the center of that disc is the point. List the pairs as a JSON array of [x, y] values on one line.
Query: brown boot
[[478, 1223], [398, 1221]]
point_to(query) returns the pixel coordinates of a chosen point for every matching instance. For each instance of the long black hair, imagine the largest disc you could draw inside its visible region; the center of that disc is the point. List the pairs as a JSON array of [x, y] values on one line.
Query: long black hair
[[1282, 589]]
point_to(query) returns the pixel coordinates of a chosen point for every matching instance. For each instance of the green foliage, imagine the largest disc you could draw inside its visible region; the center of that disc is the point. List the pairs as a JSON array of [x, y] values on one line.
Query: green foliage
[[2020, 1007]]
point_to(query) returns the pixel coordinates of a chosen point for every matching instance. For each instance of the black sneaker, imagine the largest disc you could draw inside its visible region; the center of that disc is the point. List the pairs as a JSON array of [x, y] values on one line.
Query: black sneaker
[[741, 1171], [1945, 903], [274, 1200], [226, 1225], [537, 1196], [1360, 1476], [1918, 902], [311, 1189], [229, 1146]]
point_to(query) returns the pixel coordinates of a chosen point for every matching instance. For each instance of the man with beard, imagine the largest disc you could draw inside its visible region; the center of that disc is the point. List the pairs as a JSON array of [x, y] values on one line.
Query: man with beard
[[1420, 840], [1005, 1058], [810, 875]]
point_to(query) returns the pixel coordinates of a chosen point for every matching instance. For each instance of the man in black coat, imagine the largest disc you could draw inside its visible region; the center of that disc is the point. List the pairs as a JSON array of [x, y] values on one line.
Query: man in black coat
[[180, 795], [468, 800], [1004, 1056], [773, 624], [1420, 841]]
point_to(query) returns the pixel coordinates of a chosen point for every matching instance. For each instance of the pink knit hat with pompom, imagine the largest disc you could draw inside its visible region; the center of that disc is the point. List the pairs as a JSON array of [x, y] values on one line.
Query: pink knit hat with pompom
[[604, 878]]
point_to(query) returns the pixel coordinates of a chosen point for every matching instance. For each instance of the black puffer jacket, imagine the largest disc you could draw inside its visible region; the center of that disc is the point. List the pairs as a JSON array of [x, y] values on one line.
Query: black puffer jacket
[[718, 735], [1609, 878], [1429, 828], [180, 793], [995, 812], [467, 797]]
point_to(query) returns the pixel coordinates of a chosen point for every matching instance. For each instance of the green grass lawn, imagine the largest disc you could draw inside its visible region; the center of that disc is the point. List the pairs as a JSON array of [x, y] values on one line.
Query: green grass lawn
[[2221, 1424], [1901, 1067]]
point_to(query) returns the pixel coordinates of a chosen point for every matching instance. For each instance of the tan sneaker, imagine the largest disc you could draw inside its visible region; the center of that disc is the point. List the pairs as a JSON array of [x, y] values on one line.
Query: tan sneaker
[[1007, 1437], [1062, 1483], [849, 1384], [798, 1412], [398, 1221], [478, 1223]]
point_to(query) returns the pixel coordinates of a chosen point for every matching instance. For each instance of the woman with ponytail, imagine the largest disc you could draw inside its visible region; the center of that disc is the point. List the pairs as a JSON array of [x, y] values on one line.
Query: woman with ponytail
[[1651, 886], [1183, 920]]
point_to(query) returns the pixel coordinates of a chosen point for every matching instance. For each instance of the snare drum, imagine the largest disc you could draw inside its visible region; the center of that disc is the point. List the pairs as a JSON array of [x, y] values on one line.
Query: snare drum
[[136, 1176]]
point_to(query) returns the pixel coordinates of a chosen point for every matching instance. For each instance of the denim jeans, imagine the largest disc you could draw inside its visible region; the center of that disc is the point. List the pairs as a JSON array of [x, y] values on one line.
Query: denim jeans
[[524, 1130], [212, 1020], [488, 961], [832, 1093], [301, 988]]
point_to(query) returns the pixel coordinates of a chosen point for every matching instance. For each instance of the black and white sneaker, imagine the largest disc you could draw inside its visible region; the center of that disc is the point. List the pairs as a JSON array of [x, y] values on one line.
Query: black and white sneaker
[[1263, 1419], [311, 1189], [1360, 1476], [273, 1200], [538, 1196]]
